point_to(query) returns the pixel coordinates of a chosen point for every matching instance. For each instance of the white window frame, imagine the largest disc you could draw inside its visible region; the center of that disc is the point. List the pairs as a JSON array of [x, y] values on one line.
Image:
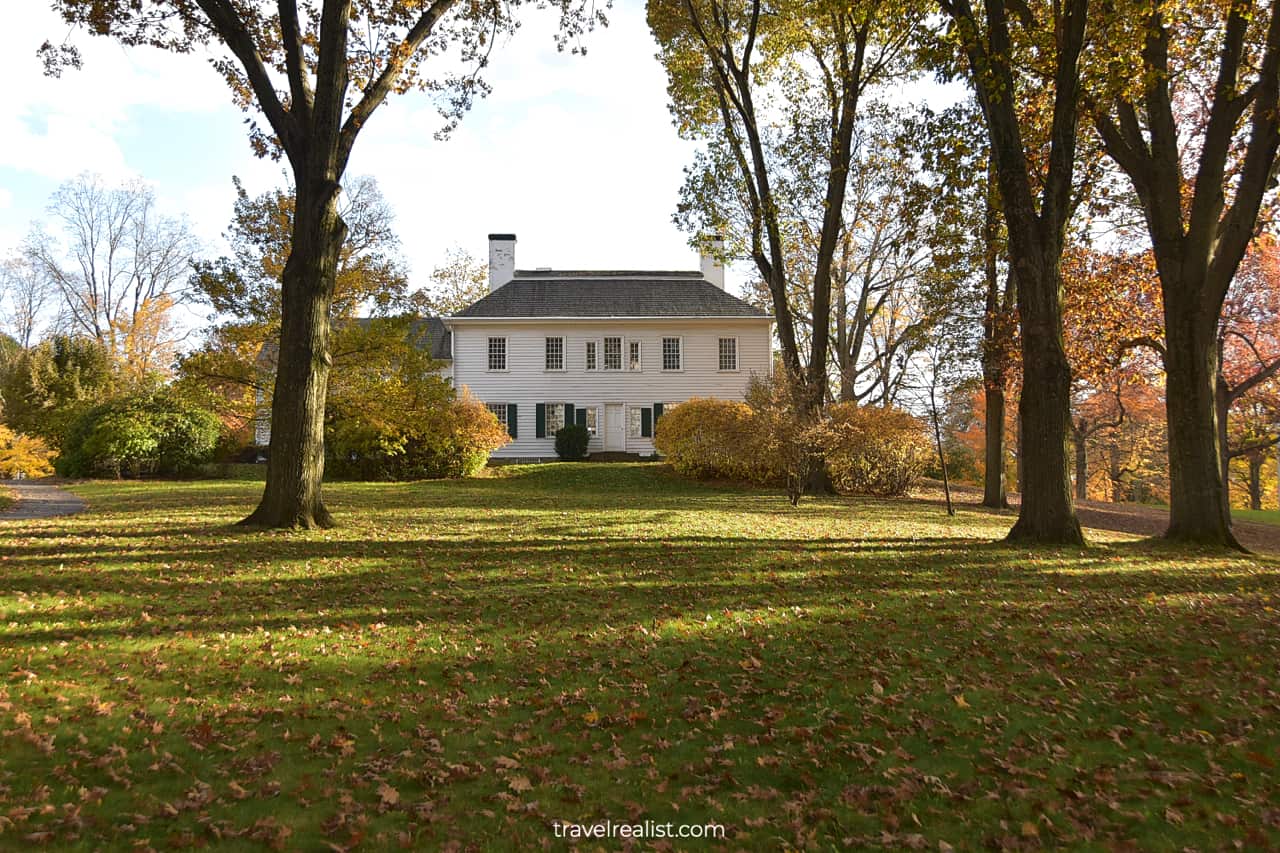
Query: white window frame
[[737, 357], [506, 355], [500, 412], [604, 352], [636, 365], [546, 354], [639, 421], [548, 408], [680, 345], [591, 355], [593, 420]]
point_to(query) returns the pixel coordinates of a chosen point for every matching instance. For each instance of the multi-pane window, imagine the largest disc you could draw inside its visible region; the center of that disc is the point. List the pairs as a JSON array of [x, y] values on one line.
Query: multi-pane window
[[555, 417], [497, 353], [633, 355], [500, 412], [591, 419], [634, 421], [613, 353], [671, 359], [555, 354], [728, 353], [591, 355]]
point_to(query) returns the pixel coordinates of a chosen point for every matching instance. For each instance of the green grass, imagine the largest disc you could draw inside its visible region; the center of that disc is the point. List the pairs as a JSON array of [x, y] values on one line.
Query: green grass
[[467, 662], [1261, 516], [7, 498]]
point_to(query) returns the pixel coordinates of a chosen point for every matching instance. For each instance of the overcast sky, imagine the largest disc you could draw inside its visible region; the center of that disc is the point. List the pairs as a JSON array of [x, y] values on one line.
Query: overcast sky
[[576, 155]]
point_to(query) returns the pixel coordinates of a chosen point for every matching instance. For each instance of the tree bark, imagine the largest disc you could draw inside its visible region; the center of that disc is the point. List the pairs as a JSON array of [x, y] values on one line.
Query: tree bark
[[1255, 480], [994, 493], [1046, 514], [295, 464], [1082, 466], [1197, 493]]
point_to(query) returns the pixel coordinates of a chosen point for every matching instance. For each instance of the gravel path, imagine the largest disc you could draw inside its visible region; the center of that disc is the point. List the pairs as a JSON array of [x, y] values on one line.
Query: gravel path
[[38, 499]]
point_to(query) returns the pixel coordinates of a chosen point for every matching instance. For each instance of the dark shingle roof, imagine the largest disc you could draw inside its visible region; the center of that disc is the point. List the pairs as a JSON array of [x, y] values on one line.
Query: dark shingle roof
[[429, 333], [437, 336], [622, 293]]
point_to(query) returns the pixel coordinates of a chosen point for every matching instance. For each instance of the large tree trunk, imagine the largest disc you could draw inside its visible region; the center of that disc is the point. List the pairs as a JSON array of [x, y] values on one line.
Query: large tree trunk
[[1046, 514], [295, 466], [1197, 494], [1255, 480], [994, 492], [1082, 467], [1222, 409]]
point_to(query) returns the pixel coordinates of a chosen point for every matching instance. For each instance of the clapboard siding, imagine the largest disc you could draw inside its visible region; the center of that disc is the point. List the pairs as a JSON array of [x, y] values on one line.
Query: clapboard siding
[[527, 383]]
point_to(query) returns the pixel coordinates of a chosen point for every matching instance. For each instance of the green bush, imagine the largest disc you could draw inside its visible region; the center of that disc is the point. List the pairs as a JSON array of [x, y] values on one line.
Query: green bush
[[571, 442], [137, 436]]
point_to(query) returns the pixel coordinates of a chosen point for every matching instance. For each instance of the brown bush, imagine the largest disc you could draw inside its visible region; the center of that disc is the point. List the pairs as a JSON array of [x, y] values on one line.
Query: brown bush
[[709, 438], [874, 451]]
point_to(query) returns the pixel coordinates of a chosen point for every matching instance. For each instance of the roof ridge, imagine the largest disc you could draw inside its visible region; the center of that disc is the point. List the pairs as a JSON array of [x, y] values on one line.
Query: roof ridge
[[537, 273]]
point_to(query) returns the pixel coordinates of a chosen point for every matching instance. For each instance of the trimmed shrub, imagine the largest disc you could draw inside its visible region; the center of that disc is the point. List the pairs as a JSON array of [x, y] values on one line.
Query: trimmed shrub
[[571, 442], [137, 436], [450, 439], [874, 451], [23, 455], [709, 438]]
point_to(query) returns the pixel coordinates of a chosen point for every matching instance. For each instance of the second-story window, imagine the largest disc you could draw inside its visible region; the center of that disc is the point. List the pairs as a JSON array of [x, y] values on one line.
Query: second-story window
[[728, 353], [613, 353], [671, 356], [497, 353], [633, 357], [555, 354], [591, 355]]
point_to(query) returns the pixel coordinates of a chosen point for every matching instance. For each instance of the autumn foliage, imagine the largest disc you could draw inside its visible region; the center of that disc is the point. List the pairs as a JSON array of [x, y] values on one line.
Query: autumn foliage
[[868, 450], [23, 455], [874, 451], [708, 438]]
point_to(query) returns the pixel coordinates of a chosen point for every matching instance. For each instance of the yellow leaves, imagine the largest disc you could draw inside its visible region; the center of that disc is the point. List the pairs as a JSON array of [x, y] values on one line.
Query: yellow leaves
[[592, 717], [960, 701]]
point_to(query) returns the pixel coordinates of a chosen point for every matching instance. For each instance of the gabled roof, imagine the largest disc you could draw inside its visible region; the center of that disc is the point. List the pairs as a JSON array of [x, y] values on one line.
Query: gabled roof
[[429, 333], [611, 293], [437, 336]]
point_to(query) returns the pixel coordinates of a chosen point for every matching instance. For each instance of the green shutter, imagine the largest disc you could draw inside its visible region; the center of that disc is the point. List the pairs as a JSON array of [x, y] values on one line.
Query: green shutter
[[582, 417], [511, 421], [646, 422], [568, 413], [657, 413], [540, 421]]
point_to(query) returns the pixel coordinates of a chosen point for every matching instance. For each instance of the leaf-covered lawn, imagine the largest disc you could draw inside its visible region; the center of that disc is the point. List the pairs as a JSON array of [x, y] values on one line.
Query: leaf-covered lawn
[[468, 662], [7, 499]]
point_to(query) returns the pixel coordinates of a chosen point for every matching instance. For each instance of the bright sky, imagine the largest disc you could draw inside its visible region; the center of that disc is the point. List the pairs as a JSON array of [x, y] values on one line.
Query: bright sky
[[576, 155]]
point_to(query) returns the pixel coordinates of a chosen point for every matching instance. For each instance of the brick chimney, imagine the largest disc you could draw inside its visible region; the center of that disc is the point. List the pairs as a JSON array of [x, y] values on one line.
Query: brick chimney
[[502, 260], [711, 247]]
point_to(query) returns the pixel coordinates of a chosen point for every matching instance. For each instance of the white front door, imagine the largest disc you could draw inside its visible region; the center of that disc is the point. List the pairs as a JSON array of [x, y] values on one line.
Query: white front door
[[615, 436]]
